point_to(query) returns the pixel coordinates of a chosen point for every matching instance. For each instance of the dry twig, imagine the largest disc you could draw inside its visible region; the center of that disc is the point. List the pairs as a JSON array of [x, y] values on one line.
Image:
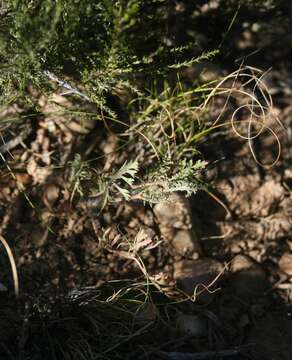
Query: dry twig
[[13, 265]]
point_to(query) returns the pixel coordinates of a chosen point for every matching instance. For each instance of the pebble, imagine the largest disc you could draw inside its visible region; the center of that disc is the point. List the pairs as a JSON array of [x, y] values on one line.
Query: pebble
[[175, 214], [235, 248], [51, 195], [38, 236], [241, 262], [186, 243], [189, 274], [248, 279], [175, 224], [285, 263]]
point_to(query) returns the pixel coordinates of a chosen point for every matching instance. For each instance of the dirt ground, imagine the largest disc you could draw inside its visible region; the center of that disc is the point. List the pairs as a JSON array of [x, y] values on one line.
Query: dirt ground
[[62, 245]]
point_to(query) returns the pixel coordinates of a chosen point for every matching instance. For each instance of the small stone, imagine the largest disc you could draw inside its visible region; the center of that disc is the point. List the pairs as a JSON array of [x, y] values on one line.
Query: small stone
[[250, 244], [23, 178], [241, 262], [256, 254], [46, 216], [175, 224], [38, 236], [107, 217], [186, 242], [176, 213], [51, 195], [285, 263], [193, 277], [289, 243], [193, 325], [235, 248], [248, 279]]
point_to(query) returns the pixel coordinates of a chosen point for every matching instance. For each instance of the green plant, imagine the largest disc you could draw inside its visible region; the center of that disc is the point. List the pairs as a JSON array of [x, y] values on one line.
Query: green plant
[[91, 55], [158, 183], [99, 45]]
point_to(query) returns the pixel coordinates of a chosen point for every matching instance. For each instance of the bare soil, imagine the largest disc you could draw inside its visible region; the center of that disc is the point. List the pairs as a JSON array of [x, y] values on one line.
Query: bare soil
[[62, 245]]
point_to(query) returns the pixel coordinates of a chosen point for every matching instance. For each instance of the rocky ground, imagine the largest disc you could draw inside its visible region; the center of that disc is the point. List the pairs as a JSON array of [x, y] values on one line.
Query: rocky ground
[[234, 264], [224, 259]]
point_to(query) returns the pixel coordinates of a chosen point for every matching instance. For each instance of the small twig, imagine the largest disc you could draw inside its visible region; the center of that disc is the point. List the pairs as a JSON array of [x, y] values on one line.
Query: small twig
[[285, 286], [221, 203], [207, 287], [23, 133], [66, 85], [13, 265]]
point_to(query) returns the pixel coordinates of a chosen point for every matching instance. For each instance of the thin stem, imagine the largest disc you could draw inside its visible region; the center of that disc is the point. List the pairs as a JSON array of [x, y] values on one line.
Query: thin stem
[[13, 265]]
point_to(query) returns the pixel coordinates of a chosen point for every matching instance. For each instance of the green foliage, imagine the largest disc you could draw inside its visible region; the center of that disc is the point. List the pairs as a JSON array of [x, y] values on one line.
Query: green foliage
[[100, 44], [126, 174], [90, 49], [169, 177], [157, 184], [65, 37], [111, 186], [80, 172], [118, 182]]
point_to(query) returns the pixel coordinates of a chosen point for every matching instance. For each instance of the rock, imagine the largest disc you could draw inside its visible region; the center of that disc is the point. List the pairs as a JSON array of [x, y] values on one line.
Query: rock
[[285, 263], [175, 224], [192, 325], [186, 243], [248, 279], [289, 243], [241, 262], [174, 214], [193, 277], [38, 236], [247, 197], [235, 248], [51, 195], [267, 197]]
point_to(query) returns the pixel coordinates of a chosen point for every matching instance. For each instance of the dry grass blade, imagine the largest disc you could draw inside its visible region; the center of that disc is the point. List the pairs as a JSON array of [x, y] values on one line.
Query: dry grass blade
[[255, 100], [221, 203], [13, 265]]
